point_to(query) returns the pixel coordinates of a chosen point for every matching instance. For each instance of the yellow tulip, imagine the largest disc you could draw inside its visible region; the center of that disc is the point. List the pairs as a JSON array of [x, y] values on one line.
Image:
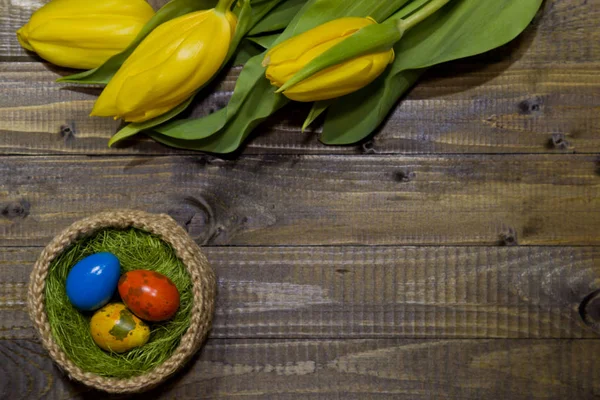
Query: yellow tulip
[[290, 56], [84, 33], [174, 61]]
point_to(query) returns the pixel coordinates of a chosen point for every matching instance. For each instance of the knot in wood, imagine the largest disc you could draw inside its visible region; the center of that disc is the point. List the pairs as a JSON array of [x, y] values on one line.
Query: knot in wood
[[16, 210], [589, 310]]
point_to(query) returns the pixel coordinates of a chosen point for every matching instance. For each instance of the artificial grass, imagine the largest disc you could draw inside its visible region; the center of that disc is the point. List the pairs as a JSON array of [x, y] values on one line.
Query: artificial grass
[[71, 330]]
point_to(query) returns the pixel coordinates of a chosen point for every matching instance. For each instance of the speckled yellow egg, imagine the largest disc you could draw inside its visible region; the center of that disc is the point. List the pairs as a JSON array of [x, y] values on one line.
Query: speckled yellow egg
[[115, 328]]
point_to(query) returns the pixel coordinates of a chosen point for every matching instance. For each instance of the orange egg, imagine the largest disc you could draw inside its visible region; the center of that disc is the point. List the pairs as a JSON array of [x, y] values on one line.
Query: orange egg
[[149, 295]]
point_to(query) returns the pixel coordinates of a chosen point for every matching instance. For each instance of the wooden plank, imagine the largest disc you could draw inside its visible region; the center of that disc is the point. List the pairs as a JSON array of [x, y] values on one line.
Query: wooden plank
[[38, 115], [565, 30], [315, 200], [352, 369], [377, 292], [523, 110], [536, 95]]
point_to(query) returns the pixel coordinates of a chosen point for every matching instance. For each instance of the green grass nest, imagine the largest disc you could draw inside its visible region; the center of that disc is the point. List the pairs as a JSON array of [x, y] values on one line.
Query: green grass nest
[[135, 249]]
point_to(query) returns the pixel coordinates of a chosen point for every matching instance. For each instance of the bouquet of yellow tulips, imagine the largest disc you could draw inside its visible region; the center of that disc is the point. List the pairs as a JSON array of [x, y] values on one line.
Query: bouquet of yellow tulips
[[352, 59]]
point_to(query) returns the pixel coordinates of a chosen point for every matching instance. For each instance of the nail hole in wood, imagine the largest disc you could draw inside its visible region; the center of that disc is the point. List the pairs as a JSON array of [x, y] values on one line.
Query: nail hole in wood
[[67, 131], [404, 176], [369, 147], [529, 106], [509, 238], [558, 141]]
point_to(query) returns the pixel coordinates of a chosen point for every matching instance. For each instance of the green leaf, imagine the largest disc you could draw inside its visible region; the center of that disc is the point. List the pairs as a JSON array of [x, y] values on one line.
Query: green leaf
[[253, 91], [279, 18], [229, 139], [462, 28], [264, 41], [249, 16], [317, 109], [246, 50], [251, 47], [345, 124], [104, 73], [411, 8]]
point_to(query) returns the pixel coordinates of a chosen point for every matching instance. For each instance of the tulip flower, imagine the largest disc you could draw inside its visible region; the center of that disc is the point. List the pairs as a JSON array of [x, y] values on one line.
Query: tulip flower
[[83, 34], [171, 63], [290, 56]]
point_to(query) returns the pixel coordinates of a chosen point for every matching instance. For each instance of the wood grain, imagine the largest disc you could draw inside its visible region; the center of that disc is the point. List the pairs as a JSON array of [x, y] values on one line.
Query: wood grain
[[377, 292], [499, 298], [315, 200], [351, 369], [537, 95]]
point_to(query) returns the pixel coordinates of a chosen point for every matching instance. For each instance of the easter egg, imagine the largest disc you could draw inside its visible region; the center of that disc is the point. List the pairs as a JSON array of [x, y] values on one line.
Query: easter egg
[[93, 280], [150, 295], [115, 328]]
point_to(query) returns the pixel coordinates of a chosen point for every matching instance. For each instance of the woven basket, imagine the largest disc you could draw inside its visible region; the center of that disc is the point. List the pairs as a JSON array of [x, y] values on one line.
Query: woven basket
[[201, 273]]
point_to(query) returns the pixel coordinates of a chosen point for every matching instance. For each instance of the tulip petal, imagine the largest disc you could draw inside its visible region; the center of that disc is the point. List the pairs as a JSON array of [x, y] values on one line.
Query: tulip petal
[[60, 8], [341, 79], [194, 61], [279, 73], [83, 34], [173, 61], [83, 58], [163, 41], [294, 48], [335, 81], [85, 43], [88, 32], [22, 37]]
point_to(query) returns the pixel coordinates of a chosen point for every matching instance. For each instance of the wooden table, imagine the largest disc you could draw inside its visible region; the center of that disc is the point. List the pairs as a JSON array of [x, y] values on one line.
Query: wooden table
[[453, 256]]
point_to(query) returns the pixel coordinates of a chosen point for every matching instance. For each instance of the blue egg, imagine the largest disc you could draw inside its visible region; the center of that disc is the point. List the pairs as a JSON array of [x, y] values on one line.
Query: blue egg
[[92, 281]]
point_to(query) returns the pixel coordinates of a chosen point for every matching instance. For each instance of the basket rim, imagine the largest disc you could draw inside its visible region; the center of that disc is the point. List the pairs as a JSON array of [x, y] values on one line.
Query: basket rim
[[204, 291]]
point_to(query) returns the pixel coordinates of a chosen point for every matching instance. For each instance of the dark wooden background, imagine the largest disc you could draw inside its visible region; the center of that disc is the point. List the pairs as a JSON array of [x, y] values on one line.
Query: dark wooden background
[[454, 256]]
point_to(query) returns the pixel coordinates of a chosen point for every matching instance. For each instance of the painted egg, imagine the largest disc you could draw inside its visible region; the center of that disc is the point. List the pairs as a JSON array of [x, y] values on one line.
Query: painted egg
[[150, 295], [115, 328], [93, 281]]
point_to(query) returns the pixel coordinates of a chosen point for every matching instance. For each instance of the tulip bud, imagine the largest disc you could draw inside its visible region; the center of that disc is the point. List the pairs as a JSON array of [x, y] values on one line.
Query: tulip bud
[[170, 64], [84, 33], [290, 56]]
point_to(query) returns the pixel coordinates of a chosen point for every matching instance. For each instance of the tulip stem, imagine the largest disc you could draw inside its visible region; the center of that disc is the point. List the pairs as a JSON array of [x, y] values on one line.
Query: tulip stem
[[423, 14], [224, 5]]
